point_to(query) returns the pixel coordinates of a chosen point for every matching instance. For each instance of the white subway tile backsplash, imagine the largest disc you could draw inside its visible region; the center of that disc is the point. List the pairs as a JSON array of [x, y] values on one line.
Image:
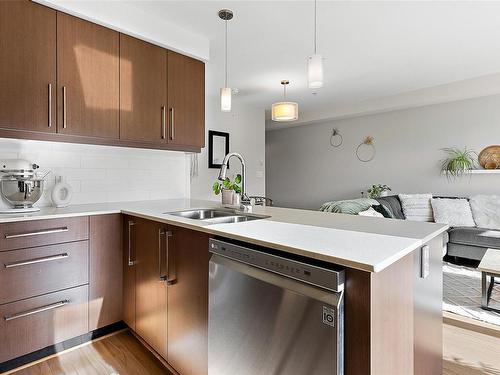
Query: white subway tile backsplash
[[104, 174]]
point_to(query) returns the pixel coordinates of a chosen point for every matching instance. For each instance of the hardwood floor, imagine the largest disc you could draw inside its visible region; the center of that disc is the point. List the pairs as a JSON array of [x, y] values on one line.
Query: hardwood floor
[[466, 352], [117, 354]]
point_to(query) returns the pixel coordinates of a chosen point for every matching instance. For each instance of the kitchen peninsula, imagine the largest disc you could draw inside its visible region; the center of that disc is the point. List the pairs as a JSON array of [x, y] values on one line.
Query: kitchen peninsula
[[391, 268]]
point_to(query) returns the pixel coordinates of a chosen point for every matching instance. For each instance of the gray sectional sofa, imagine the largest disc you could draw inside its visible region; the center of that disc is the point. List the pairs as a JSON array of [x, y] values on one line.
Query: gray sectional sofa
[[467, 243]]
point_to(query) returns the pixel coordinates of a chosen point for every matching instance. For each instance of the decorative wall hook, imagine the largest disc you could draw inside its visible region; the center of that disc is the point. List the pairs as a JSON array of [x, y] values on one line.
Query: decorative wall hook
[[336, 139], [368, 144]]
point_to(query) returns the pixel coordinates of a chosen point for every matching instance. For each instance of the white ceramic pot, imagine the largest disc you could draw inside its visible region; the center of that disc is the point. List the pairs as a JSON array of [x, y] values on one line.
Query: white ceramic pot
[[227, 196], [384, 194]]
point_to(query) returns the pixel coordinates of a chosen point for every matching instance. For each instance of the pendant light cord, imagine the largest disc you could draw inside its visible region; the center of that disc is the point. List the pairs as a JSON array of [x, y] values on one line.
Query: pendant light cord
[[315, 28], [225, 63]]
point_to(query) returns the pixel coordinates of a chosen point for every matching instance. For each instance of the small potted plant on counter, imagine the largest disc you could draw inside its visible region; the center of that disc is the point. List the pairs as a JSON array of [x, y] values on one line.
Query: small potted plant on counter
[[228, 189], [377, 191]]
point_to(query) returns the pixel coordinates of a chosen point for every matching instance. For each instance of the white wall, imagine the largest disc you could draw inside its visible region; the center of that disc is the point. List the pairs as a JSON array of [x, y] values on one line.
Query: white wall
[[247, 136], [105, 174], [303, 170]]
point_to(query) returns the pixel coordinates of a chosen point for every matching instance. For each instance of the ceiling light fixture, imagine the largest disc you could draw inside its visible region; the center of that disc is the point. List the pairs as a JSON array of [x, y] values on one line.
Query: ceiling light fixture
[[285, 111], [315, 62], [225, 92]]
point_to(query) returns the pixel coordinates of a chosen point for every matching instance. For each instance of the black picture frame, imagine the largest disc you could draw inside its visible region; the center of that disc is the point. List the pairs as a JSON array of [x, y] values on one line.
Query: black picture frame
[[211, 135]]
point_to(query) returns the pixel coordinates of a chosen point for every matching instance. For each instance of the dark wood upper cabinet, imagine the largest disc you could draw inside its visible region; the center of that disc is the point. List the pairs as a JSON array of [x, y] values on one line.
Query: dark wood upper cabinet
[[27, 66], [186, 100], [143, 99], [88, 78]]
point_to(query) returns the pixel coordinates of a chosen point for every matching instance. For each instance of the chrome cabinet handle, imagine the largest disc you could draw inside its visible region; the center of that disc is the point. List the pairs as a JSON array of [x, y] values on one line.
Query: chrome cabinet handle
[[36, 260], [161, 276], [130, 225], [64, 107], [163, 123], [23, 314], [37, 233], [172, 124], [50, 105]]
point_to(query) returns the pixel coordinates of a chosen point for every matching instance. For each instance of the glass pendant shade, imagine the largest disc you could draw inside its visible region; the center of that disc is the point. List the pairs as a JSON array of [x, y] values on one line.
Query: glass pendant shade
[[225, 99], [315, 71], [285, 111]]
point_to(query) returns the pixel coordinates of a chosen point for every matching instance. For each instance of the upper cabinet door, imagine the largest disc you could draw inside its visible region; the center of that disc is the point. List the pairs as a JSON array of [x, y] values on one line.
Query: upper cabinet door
[[143, 99], [186, 100], [27, 66], [88, 78]]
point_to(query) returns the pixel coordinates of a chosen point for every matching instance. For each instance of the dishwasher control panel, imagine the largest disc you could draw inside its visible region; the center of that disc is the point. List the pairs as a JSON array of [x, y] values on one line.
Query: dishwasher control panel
[[322, 277]]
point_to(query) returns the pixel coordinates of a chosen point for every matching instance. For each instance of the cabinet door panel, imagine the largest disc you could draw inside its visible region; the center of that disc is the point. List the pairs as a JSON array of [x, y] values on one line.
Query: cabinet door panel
[[88, 70], [143, 90], [151, 292], [129, 271], [186, 100], [105, 292], [187, 313], [27, 66]]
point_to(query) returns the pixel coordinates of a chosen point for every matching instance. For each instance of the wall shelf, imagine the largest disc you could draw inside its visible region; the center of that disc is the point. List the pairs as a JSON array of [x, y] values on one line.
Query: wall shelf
[[481, 171]]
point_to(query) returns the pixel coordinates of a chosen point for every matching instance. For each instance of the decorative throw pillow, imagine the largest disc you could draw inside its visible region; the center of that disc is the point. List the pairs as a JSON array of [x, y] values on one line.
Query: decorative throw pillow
[[417, 207], [486, 211], [352, 206], [454, 212], [370, 212]]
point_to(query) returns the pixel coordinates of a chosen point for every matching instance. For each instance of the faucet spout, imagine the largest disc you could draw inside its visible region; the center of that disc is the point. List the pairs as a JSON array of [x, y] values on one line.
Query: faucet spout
[[223, 174]]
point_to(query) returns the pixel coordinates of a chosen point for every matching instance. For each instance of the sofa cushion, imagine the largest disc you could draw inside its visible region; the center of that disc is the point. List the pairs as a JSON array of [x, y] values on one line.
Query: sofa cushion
[[392, 206], [417, 207], [475, 237], [352, 206], [466, 251], [454, 212], [486, 210]]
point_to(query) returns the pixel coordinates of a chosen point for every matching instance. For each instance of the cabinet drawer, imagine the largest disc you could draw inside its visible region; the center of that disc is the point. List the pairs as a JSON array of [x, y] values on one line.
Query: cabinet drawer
[[35, 323], [33, 233], [30, 272]]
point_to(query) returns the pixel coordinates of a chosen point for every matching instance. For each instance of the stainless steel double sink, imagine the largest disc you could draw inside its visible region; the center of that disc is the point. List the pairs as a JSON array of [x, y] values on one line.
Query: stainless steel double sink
[[217, 215]]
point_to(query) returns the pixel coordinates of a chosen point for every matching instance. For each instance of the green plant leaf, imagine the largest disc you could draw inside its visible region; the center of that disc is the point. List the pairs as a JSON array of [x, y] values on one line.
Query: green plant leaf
[[227, 183], [237, 179]]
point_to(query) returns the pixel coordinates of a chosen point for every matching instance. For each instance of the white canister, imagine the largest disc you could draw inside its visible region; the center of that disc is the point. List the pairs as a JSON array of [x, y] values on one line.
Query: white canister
[[61, 193]]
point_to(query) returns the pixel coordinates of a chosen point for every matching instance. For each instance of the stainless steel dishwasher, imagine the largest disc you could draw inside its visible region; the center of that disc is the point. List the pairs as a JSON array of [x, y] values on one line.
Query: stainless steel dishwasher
[[271, 315]]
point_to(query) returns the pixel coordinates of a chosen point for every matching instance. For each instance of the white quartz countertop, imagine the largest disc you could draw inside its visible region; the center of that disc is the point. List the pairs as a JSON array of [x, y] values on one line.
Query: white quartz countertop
[[365, 243]]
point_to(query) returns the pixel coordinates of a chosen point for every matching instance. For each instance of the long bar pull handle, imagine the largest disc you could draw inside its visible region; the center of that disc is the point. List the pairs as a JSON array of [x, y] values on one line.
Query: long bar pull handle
[[161, 276], [50, 106], [171, 271], [172, 124], [64, 107], [163, 123], [130, 225], [23, 314], [36, 260], [36, 233]]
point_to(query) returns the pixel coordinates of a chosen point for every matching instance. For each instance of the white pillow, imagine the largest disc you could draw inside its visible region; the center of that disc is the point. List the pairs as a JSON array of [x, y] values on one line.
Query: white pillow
[[486, 211], [370, 212], [417, 207], [454, 212]]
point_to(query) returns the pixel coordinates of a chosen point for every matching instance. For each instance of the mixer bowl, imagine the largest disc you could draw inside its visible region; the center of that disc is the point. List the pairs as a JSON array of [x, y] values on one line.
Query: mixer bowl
[[21, 193]]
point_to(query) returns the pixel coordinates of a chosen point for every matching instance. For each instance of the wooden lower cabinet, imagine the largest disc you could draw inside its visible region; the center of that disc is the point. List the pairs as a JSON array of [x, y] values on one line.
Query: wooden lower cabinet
[[166, 291], [150, 289], [106, 281], [187, 306], [35, 323]]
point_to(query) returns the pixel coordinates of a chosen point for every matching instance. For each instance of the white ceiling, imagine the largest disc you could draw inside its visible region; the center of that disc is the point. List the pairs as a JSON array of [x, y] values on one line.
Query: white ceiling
[[371, 49]]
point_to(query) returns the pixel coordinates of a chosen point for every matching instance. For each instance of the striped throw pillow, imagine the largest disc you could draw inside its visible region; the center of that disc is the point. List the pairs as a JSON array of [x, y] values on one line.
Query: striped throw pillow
[[417, 207]]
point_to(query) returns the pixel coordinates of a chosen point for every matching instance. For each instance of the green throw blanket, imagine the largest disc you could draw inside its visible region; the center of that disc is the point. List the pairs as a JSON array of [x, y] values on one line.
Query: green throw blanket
[[352, 206]]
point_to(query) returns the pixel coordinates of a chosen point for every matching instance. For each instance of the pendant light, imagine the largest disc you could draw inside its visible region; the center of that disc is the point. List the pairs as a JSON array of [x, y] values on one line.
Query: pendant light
[[285, 111], [315, 62], [225, 92]]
